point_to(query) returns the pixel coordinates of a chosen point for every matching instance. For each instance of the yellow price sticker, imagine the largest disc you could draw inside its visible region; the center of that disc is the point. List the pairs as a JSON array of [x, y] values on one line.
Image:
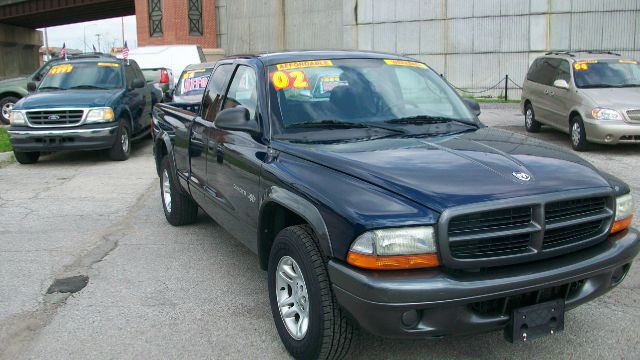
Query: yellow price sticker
[[108, 64], [580, 66], [60, 69], [405, 63], [304, 64]]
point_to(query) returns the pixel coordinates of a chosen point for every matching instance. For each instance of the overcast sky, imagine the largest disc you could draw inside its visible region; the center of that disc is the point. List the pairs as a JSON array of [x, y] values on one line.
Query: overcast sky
[[109, 30]]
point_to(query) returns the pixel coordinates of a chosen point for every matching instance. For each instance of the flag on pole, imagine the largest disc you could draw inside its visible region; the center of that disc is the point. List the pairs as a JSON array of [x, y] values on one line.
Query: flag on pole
[[125, 52], [94, 49], [63, 51]]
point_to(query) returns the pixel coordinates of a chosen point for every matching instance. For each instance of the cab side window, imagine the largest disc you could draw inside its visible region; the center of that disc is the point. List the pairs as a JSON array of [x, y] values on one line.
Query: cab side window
[[243, 91], [212, 99]]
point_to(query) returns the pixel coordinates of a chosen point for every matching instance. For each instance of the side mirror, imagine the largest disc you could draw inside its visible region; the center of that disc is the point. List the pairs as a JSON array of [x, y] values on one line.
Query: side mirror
[[473, 106], [37, 77], [561, 84], [237, 119], [137, 83], [31, 86]]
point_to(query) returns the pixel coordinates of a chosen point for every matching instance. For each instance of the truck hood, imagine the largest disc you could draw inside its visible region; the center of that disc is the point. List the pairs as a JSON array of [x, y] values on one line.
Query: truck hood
[[20, 81], [441, 172], [68, 98], [615, 98]]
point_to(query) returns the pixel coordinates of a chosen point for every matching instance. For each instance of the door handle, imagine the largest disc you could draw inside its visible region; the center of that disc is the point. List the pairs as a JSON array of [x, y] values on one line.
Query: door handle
[[220, 153]]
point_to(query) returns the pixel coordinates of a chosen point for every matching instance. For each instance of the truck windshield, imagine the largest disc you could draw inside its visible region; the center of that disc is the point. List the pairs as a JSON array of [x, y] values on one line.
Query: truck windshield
[[607, 73], [83, 75], [335, 94], [193, 82]]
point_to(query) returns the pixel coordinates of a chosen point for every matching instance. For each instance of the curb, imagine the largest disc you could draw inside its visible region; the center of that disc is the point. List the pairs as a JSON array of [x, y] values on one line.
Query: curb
[[5, 156]]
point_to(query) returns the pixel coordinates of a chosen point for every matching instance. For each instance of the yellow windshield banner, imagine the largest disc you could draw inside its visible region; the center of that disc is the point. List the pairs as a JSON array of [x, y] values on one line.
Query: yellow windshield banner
[[108, 64], [304, 64], [628, 62], [405, 63], [61, 69]]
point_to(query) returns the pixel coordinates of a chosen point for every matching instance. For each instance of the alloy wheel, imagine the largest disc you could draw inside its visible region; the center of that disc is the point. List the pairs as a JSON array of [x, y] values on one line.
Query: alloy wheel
[[292, 297], [166, 191]]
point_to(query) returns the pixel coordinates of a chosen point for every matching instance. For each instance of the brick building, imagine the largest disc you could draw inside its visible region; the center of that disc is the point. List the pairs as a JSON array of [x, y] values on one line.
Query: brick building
[[161, 22]]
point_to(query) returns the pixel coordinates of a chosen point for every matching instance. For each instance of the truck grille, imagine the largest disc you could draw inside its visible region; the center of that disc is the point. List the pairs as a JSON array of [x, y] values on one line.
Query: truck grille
[[634, 115], [55, 117], [493, 237]]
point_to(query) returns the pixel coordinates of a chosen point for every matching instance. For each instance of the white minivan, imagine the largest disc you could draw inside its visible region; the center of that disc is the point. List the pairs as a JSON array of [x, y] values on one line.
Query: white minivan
[[174, 57]]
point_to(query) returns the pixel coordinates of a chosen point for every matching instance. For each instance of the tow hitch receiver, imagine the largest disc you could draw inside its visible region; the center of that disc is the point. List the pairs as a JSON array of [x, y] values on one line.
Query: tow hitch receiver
[[531, 322]]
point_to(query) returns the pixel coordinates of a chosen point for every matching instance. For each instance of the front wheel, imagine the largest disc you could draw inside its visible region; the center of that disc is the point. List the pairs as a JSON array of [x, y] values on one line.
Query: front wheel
[[309, 321], [6, 104], [530, 123], [578, 135], [26, 157], [121, 149]]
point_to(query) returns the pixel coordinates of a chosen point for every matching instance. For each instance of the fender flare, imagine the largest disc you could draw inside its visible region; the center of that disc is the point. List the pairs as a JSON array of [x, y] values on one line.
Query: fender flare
[[124, 110], [303, 208]]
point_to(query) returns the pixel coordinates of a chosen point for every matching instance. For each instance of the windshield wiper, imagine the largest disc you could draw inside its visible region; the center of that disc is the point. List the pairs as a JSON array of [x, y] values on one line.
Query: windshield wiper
[[87, 87], [629, 85], [336, 124], [589, 86], [49, 88], [427, 119]]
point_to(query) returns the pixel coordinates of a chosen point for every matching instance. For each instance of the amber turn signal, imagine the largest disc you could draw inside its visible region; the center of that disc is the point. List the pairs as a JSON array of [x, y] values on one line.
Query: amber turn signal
[[392, 262], [621, 224]]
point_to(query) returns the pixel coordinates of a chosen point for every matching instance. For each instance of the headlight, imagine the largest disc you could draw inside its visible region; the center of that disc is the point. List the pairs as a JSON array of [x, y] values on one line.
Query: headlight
[[624, 213], [390, 249], [99, 115], [605, 114], [17, 118]]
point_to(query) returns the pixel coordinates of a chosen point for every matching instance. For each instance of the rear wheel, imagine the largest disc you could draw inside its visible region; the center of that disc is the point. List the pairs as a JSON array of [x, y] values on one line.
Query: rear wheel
[[6, 104], [26, 157], [179, 208], [121, 149], [578, 134], [309, 321], [530, 122]]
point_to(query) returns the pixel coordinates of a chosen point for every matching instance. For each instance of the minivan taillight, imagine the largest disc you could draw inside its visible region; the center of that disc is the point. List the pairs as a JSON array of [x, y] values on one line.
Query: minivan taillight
[[164, 76]]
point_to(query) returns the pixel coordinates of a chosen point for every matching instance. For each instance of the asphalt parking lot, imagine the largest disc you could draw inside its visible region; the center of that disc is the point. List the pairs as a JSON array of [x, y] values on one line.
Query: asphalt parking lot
[[155, 291]]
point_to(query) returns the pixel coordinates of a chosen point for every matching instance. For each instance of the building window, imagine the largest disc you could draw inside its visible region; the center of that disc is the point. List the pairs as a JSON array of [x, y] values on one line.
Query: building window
[[195, 17], [155, 18]]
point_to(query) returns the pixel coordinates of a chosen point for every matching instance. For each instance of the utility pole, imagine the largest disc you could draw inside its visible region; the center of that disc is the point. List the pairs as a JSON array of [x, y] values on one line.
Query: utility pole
[[46, 46], [122, 23], [98, 37]]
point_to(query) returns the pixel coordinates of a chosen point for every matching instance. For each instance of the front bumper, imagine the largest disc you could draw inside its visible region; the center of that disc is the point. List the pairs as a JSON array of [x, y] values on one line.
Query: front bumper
[[612, 132], [51, 139], [438, 302]]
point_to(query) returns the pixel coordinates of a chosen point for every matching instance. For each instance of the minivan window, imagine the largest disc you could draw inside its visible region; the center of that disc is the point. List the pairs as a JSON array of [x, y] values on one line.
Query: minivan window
[[545, 71], [607, 73]]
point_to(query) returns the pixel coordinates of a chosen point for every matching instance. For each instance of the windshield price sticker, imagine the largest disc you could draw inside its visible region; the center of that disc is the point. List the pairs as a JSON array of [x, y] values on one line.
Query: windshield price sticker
[[405, 63], [60, 69], [329, 82], [633, 62], [304, 64], [195, 83], [583, 65], [289, 79], [108, 64]]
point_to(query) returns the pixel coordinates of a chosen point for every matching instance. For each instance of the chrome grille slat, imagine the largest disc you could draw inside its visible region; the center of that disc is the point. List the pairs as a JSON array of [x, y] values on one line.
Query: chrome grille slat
[[65, 117], [634, 115]]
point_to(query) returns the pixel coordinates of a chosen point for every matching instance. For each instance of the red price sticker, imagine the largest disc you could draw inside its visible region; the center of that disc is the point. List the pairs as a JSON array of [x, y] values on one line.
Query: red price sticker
[[285, 80]]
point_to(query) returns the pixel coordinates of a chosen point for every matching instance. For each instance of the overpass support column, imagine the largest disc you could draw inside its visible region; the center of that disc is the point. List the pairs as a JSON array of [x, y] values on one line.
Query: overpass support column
[[19, 48]]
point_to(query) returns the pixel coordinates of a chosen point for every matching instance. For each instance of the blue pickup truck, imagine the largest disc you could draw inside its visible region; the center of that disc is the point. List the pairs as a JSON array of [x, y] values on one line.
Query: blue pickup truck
[[375, 199], [83, 104]]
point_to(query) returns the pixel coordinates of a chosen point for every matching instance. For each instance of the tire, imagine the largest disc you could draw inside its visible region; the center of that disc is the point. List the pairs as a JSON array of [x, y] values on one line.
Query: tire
[[26, 157], [121, 148], [6, 104], [328, 333], [530, 122], [578, 135], [179, 208]]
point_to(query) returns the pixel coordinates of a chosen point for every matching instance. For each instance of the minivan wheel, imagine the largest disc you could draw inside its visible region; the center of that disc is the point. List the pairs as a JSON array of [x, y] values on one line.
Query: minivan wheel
[[309, 321], [179, 208], [578, 135], [530, 122]]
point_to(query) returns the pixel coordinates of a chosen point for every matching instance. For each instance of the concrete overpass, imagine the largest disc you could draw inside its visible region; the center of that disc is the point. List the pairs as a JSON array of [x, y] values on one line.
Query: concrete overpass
[[20, 42]]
